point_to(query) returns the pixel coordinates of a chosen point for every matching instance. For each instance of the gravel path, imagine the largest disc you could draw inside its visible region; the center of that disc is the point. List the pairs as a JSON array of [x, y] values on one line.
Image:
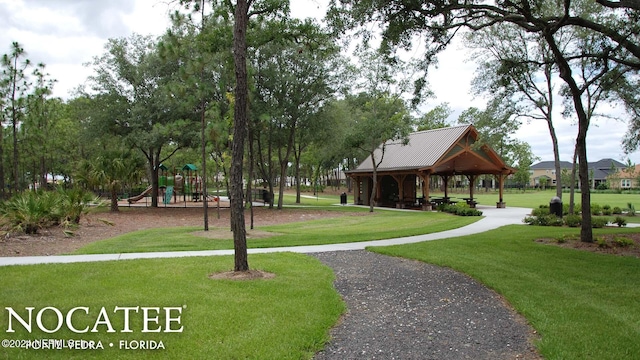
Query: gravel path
[[405, 309]]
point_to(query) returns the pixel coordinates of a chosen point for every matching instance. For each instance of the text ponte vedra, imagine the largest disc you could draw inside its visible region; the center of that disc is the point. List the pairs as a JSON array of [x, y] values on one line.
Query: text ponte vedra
[[50, 319]]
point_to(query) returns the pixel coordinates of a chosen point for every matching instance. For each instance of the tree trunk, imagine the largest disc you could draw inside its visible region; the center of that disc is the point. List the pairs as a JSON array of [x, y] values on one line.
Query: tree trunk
[[297, 155], [250, 178], [586, 232], [374, 186], [114, 198], [572, 190], [239, 133], [203, 153], [154, 166]]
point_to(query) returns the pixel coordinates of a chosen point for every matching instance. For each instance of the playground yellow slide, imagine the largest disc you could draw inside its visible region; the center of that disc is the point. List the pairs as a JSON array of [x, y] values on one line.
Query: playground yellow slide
[[138, 197]]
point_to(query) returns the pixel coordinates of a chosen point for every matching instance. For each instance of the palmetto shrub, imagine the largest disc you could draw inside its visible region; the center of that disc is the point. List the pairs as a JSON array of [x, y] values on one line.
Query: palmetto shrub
[[74, 203], [30, 211]]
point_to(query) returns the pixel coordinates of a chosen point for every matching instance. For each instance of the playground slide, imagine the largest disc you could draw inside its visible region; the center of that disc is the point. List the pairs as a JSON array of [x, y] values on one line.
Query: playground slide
[[138, 197]]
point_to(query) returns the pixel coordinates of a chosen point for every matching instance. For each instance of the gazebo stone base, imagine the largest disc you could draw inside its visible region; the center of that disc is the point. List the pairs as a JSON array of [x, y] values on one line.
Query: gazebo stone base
[[427, 207], [501, 205]]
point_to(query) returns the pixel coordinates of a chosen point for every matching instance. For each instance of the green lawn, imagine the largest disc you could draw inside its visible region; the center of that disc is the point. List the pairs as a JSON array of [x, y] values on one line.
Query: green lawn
[[287, 317], [517, 198], [584, 305], [535, 198], [366, 226]]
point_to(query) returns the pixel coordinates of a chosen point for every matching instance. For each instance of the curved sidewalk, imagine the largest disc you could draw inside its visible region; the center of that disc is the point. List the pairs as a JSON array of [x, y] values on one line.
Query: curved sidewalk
[[493, 218]]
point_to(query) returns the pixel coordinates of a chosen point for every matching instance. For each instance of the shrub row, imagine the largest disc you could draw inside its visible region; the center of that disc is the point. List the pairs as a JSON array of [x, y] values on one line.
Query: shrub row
[[460, 209], [30, 211], [571, 220], [596, 210]]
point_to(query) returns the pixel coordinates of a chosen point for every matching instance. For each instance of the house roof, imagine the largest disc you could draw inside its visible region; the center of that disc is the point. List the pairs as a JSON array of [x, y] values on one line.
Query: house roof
[[605, 164], [440, 151], [601, 168], [543, 165]]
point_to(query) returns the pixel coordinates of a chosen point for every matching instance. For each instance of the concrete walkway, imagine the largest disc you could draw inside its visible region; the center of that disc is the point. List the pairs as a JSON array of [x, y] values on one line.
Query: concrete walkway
[[493, 218]]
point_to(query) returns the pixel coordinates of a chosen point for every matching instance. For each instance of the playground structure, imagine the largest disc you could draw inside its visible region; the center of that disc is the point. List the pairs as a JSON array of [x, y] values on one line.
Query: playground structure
[[187, 183]]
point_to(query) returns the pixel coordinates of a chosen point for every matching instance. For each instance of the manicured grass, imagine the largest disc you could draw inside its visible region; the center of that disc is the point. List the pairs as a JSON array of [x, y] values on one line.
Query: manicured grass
[[517, 198], [584, 305], [287, 317], [535, 198], [379, 225], [308, 199]]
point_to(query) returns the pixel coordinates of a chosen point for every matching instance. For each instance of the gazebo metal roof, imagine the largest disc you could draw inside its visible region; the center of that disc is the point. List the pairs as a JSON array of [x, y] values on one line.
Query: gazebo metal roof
[[446, 151]]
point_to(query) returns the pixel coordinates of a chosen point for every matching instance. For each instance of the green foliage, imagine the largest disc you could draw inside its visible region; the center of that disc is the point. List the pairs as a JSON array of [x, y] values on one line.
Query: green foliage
[[541, 211], [460, 209], [631, 210], [543, 220], [566, 238], [599, 222], [606, 210], [620, 221], [616, 210], [622, 241], [30, 211], [596, 209], [572, 220], [602, 242], [74, 203]]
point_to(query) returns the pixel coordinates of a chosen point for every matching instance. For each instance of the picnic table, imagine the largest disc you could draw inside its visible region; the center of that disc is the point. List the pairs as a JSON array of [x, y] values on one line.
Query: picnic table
[[470, 201]]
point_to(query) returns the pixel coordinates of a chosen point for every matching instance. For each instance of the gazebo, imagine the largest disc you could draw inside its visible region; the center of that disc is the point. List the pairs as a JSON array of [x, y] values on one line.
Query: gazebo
[[444, 152]]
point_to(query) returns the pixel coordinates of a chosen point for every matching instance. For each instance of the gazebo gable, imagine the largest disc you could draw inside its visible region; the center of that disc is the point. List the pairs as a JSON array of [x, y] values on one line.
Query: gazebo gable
[[466, 156]]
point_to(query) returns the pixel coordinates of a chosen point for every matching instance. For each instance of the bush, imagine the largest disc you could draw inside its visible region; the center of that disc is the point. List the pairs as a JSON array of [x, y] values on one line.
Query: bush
[[622, 241], [29, 211], [74, 203], [460, 209], [620, 221], [572, 220], [32, 210], [596, 209], [631, 210], [599, 222], [617, 210], [564, 238], [541, 211], [543, 220], [602, 242], [606, 210]]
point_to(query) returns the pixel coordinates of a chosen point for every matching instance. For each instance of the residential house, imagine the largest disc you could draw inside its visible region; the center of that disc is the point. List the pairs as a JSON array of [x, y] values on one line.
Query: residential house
[[599, 171], [627, 178]]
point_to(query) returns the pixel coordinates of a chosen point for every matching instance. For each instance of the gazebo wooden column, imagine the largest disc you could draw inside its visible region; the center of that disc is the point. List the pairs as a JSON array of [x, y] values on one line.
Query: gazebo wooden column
[[445, 178], [356, 194], [400, 180], [426, 180], [472, 185], [501, 204]]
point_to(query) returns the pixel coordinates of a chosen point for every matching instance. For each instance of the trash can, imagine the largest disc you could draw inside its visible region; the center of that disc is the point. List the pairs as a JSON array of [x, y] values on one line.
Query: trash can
[[343, 198], [555, 206], [266, 196]]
